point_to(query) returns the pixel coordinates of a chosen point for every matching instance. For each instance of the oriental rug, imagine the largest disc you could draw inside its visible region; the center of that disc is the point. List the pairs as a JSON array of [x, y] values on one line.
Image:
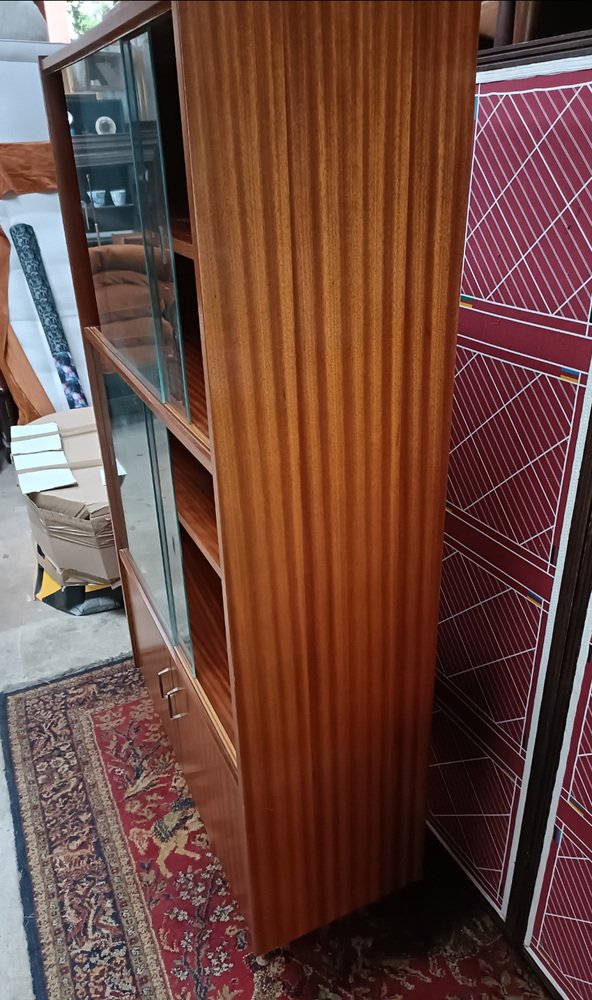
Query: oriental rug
[[123, 897]]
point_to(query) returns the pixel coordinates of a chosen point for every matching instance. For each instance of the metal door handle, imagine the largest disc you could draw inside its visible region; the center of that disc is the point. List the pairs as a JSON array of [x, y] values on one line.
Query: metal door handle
[[161, 673], [172, 714]]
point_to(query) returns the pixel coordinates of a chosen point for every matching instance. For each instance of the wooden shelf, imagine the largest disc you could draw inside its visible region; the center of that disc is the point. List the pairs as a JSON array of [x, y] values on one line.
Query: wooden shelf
[[102, 150], [194, 438], [196, 388], [208, 633], [92, 150], [182, 241], [194, 370], [196, 508]]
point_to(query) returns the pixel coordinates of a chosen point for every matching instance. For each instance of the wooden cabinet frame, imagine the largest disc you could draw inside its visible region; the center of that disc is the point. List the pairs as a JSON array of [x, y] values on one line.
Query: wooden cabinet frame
[[327, 149]]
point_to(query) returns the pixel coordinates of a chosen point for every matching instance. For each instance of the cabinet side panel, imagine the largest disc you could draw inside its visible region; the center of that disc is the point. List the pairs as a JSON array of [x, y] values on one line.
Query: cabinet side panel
[[331, 145]]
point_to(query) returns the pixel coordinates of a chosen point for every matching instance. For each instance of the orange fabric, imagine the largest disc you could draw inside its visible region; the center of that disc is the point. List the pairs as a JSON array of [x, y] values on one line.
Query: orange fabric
[[26, 168], [115, 257], [124, 300], [25, 388], [118, 257]]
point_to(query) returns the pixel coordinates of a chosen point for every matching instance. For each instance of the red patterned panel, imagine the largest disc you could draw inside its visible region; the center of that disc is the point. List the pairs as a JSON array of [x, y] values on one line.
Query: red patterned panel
[[581, 783], [464, 584], [530, 218], [563, 935], [471, 802], [562, 909], [487, 641], [522, 364], [510, 434]]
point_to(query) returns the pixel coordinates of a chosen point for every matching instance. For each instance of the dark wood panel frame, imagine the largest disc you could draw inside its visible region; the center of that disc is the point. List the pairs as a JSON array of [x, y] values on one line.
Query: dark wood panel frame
[[538, 50]]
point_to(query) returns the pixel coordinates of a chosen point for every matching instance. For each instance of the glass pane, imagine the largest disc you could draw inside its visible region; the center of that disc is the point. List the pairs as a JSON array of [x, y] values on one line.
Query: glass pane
[[121, 197], [131, 444], [170, 533], [147, 143]]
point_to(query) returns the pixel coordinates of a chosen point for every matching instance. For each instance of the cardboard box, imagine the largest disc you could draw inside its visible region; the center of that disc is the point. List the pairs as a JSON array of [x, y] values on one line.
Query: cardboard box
[[78, 431], [72, 525]]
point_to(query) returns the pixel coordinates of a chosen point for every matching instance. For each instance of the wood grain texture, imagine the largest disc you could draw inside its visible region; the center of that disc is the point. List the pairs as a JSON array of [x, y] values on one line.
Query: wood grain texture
[[330, 147], [196, 390], [208, 637], [182, 239], [194, 497], [212, 781]]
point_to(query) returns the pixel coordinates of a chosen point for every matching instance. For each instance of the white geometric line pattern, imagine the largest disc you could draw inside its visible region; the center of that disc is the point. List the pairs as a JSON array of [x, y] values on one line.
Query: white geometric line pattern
[[528, 247], [471, 801], [487, 638], [581, 781], [564, 938], [510, 433], [529, 234]]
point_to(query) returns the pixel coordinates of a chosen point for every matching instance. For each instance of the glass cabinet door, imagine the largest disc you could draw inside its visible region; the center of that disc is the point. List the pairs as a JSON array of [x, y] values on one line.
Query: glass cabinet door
[[149, 167], [113, 115], [169, 528], [142, 450]]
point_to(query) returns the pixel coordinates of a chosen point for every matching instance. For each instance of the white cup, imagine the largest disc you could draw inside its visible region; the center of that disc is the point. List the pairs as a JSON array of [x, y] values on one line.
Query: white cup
[[118, 196], [97, 198]]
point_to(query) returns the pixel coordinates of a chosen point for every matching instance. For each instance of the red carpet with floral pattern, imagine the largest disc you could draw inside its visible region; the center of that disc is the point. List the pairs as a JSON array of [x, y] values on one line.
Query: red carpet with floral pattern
[[123, 897]]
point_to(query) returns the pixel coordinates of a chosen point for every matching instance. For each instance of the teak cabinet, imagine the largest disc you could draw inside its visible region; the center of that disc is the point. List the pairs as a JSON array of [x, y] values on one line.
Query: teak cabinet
[[271, 357]]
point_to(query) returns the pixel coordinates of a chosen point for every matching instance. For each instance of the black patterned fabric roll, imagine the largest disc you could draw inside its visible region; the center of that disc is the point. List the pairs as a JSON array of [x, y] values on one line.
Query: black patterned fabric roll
[[26, 245]]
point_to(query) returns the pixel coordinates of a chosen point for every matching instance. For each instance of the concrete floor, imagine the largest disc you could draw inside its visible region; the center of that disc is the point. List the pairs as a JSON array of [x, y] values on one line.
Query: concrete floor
[[36, 643]]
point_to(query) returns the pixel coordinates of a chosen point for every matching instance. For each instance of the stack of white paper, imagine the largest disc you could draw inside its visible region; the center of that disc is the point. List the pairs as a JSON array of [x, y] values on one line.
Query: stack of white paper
[[39, 459]]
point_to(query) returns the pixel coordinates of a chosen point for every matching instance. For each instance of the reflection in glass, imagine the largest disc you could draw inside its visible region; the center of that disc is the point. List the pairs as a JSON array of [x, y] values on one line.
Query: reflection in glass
[[130, 442], [149, 167], [112, 109], [169, 530], [142, 450]]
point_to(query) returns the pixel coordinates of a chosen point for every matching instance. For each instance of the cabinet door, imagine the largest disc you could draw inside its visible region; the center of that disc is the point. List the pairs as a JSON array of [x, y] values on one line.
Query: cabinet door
[[154, 213], [112, 107], [211, 776], [169, 530], [212, 780], [151, 652], [141, 447]]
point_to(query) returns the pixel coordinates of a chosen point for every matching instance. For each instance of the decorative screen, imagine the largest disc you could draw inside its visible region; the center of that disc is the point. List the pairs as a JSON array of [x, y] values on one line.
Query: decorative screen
[[524, 353]]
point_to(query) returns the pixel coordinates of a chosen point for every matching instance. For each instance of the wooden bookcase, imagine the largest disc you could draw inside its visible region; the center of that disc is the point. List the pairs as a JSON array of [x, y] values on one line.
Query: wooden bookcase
[[278, 369]]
